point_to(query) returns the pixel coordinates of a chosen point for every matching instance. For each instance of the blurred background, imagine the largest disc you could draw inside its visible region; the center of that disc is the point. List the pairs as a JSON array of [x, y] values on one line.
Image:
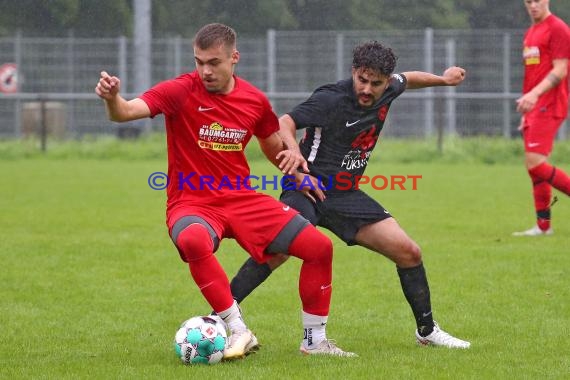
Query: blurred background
[[51, 53]]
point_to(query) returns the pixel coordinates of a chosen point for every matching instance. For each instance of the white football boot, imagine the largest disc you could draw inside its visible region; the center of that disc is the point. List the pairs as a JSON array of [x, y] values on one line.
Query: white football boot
[[534, 231], [438, 337], [326, 347], [240, 343]]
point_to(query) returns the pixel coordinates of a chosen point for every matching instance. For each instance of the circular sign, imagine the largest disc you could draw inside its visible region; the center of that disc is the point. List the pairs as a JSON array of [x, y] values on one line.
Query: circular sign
[[8, 78]]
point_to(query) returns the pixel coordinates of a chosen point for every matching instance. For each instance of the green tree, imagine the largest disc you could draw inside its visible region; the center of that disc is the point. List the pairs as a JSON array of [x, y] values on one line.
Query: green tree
[[185, 17], [58, 17]]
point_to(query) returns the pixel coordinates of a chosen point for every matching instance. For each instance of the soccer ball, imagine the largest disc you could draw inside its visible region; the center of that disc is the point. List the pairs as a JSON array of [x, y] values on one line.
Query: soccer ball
[[201, 340]]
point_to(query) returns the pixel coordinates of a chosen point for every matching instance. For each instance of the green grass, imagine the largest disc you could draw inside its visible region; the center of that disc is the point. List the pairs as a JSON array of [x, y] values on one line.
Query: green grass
[[91, 286]]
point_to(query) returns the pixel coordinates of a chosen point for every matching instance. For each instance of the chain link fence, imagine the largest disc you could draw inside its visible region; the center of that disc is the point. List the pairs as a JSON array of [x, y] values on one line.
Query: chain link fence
[[56, 77]]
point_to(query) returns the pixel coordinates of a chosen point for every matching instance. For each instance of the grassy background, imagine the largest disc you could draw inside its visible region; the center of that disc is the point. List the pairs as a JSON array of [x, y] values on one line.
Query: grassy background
[[91, 286]]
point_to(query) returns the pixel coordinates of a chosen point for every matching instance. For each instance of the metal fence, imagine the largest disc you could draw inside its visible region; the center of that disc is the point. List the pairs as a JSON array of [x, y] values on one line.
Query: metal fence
[[56, 77]]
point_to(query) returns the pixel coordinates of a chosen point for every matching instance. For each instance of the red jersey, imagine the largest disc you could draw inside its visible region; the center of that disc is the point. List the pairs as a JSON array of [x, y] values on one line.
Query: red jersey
[[207, 134], [543, 42]]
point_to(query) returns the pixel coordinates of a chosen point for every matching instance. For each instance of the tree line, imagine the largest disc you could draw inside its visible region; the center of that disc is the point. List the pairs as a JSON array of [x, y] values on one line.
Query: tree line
[[111, 18]]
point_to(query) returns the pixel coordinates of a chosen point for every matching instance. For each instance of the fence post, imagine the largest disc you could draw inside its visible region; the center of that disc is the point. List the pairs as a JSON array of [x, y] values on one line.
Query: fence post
[[177, 41], [71, 82], [271, 51], [142, 38], [562, 130], [18, 103], [428, 67], [450, 103], [340, 56], [122, 63], [43, 124], [506, 85]]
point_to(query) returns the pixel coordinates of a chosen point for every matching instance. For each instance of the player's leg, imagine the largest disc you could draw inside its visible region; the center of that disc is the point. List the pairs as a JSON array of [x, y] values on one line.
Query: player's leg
[[538, 141], [315, 288], [389, 239], [356, 218], [196, 242], [252, 274]]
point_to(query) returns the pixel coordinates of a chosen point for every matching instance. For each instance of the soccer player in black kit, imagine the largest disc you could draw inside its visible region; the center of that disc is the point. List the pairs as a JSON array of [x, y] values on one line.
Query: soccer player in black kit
[[342, 123]]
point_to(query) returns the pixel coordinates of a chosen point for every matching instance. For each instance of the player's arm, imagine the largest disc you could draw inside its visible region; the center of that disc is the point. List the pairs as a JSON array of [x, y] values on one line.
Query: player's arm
[[556, 75], [290, 159], [118, 108], [452, 76], [271, 147]]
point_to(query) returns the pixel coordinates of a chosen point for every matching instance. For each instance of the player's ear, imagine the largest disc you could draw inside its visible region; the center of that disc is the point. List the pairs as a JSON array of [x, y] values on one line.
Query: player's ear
[[235, 57]]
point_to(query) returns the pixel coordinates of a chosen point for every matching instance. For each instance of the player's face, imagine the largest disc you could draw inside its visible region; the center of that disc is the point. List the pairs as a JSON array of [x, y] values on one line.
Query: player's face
[[368, 86], [215, 66], [538, 10]]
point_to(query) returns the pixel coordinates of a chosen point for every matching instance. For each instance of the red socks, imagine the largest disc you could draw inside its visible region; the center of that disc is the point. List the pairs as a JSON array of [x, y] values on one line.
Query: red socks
[[556, 177], [315, 288], [544, 177], [196, 244]]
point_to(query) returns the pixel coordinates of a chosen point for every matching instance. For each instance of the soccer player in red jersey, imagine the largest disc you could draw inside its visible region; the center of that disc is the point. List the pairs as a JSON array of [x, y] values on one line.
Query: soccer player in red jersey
[[211, 114], [544, 106]]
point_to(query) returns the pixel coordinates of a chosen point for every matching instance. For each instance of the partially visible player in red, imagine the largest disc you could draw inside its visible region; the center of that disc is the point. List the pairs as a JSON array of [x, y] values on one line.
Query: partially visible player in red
[[544, 106], [211, 114]]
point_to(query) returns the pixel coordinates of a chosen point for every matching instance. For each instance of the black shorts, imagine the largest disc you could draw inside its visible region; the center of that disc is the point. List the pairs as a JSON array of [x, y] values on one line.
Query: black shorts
[[342, 212]]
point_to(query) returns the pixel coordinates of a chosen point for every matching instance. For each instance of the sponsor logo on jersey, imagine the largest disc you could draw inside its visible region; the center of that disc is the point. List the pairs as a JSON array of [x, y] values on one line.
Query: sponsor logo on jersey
[[531, 55], [216, 137], [382, 112]]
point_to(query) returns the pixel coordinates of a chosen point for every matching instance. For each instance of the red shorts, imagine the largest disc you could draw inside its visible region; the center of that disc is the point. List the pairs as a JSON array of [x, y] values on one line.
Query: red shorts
[[539, 134], [253, 219]]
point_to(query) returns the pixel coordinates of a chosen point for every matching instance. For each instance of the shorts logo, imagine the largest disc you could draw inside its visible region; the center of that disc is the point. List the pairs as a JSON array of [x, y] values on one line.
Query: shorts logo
[[286, 208], [533, 145]]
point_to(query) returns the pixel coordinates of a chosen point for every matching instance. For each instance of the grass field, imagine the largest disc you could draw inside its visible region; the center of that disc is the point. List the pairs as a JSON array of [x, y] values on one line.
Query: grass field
[[91, 286]]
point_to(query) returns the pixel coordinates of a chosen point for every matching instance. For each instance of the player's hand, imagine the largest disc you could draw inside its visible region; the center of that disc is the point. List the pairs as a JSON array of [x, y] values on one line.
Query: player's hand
[[309, 186], [108, 86], [290, 161], [454, 75], [526, 102]]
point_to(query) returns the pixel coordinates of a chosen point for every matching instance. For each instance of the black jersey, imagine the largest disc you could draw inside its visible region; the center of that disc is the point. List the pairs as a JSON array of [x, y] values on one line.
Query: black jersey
[[340, 134]]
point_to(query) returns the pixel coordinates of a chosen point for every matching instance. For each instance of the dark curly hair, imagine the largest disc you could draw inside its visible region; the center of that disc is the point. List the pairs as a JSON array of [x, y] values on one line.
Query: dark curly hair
[[374, 56]]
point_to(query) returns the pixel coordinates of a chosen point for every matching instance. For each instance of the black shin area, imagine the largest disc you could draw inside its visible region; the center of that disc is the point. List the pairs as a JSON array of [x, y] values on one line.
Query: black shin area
[[250, 276], [416, 290]]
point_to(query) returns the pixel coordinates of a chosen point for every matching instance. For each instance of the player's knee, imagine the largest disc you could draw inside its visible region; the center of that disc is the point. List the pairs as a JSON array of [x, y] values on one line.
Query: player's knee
[[194, 243], [532, 160], [323, 247], [414, 253], [312, 245]]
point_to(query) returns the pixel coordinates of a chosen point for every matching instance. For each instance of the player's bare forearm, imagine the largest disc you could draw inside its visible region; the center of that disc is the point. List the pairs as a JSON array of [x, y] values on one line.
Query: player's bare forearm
[[288, 132], [118, 108], [558, 72], [271, 147], [419, 79], [290, 158]]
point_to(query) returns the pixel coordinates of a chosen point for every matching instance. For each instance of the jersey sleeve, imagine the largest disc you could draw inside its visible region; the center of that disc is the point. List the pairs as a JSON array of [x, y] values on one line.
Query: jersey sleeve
[[268, 123], [560, 41], [315, 111], [398, 83], [166, 97]]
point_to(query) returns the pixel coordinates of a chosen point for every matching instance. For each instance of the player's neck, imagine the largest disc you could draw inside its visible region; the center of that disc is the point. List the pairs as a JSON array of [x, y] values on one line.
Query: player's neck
[[230, 86], [542, 18]]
